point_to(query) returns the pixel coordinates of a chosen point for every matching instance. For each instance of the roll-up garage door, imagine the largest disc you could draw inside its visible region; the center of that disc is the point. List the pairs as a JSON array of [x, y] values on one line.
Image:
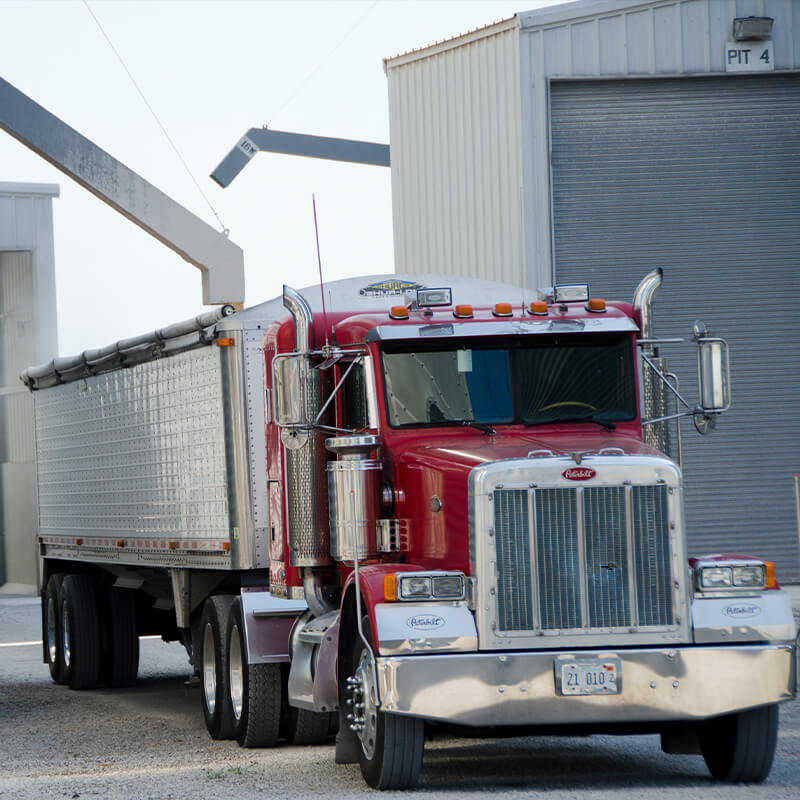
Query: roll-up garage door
[[700, 176]]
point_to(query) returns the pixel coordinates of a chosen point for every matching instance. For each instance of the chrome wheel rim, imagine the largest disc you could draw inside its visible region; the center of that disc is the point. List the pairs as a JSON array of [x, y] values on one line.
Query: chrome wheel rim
[[235, 673], [52, 639], [365, 706], [66, 648], [209, 670]]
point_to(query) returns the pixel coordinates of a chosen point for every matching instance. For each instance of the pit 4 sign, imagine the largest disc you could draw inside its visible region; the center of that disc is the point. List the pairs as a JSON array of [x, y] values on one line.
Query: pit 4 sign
[[749, 57]]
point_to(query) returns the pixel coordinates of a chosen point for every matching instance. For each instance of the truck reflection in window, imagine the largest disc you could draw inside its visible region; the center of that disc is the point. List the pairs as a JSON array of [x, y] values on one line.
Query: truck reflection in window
[[443, 386]]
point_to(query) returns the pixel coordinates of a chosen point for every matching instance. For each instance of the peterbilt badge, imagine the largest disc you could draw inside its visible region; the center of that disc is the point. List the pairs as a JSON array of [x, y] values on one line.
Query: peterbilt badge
[[578, 474]]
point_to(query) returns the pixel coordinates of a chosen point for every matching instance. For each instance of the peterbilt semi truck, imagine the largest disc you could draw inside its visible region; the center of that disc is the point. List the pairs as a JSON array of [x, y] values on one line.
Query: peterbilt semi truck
[[406, 504]]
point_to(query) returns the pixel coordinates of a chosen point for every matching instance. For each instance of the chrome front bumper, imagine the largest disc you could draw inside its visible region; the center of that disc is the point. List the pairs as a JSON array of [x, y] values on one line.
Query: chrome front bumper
[[519, 688]]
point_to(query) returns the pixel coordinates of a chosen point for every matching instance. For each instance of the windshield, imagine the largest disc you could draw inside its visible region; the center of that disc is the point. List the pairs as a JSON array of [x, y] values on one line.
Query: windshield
[[530, 381]]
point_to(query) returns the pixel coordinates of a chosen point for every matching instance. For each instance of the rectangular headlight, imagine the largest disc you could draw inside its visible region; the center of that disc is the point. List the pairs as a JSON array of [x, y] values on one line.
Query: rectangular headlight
[[716, 577], [750, 575], [414, 587], [448, 587], [430, 586]]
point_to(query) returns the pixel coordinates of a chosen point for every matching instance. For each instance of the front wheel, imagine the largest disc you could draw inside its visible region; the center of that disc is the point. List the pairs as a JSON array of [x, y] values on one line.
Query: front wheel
[[391, 745], [740, 747]]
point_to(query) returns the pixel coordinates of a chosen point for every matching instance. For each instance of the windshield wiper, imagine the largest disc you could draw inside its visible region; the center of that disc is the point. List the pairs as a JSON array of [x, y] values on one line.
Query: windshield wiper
[[467, 423], [609, 426]]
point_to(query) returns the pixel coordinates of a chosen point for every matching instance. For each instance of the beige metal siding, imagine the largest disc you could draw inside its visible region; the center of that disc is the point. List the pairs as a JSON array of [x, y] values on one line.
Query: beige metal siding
[[454, 115]]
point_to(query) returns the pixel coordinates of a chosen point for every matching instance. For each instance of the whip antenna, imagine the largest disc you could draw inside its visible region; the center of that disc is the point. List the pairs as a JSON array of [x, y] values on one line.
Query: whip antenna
[[319, 264]]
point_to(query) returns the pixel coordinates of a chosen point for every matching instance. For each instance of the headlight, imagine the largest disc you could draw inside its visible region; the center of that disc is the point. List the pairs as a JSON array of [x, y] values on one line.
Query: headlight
[[424, 586], [732, 576]]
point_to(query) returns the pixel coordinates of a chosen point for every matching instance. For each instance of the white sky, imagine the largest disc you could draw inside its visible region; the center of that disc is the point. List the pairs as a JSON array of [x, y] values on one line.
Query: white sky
[[211, 71]]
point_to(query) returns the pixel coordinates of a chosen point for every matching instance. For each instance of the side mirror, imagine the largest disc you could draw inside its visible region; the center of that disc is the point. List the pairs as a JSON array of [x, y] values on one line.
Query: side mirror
[[713, 372], [288, 386]]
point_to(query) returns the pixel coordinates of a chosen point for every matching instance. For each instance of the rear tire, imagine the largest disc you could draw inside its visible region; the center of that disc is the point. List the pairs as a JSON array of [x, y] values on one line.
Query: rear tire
[[80, 631], [255, 689], [391, 746], [214, 668], [740, 747], [52, 629], [120, 638]]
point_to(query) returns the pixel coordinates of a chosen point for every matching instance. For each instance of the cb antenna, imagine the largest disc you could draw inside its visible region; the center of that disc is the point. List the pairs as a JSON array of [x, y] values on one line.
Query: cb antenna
[[319, 264]]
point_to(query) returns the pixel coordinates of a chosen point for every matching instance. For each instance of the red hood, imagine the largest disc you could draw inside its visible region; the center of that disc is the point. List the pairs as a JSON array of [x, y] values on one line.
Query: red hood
[[470, 447]]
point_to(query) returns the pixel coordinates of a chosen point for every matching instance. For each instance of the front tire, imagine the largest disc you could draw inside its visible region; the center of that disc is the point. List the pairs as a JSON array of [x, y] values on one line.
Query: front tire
[[391, 745], [255, 689], [80, 631], [740, 747]]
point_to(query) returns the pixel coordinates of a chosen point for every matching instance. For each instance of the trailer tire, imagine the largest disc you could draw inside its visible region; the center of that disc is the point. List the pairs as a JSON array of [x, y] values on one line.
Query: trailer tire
[[304, 727], [80, 632], [255, 689], [740, 747], [391, 746], [120, 638], [52, 628], [214, 667]]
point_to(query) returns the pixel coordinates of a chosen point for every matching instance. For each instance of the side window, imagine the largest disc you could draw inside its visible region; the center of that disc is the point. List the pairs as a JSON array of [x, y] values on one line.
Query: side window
[[354, 399]]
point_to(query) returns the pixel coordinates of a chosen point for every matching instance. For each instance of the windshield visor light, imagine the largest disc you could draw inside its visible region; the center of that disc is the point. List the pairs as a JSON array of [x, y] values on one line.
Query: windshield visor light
[[399, 312], [430, 585], [571, 293], [538, 307], [463, 311], [596, 304], [503, 310]]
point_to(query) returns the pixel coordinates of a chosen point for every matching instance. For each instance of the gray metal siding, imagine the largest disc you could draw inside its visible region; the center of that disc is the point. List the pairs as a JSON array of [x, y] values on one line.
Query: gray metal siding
[[700, 176]]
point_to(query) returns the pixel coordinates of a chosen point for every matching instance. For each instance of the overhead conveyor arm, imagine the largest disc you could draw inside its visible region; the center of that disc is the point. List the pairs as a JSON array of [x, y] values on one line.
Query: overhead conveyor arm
[[297, 144], [220, 261]]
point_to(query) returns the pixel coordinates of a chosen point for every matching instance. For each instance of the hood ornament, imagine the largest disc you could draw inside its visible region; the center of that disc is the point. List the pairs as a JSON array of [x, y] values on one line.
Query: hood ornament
[[577, 457]]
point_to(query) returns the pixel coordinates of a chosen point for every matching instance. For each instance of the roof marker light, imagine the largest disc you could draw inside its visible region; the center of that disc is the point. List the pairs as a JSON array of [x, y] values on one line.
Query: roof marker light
[[503, 310], [462, 311], [398, 312], [538, 307], [596, 304]]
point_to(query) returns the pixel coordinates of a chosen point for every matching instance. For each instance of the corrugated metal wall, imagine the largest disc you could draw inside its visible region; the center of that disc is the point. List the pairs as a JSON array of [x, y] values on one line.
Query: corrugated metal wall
[[453, 212], [701, 177]]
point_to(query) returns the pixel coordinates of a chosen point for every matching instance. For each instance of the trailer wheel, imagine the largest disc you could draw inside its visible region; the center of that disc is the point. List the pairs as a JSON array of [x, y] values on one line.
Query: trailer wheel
[[120, 638], [214, 668], [52, 629], [391, 745], [307, 727], [80, 634], [740, 747], [255, 689]]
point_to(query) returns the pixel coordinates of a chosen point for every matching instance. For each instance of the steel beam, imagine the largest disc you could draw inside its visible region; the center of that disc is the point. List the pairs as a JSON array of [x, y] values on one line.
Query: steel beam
[[220, 261], [297, 144]]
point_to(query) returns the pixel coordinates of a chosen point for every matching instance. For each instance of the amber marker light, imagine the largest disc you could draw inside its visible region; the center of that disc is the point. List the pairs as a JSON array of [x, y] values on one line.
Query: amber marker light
[[390, 586], [226, 546], [503, 310], [120, 543], [538, 307], [772, 581], [463, 311], [596, 304], [225, 343], [172, 545], [399, 312]]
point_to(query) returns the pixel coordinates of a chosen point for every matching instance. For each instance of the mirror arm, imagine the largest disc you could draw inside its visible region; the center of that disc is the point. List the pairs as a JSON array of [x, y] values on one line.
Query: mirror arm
[[335, 391], [669, 386]]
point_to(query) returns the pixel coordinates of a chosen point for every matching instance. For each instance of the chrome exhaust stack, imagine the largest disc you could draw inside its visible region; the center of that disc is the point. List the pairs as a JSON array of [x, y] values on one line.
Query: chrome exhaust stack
[[656, 395]]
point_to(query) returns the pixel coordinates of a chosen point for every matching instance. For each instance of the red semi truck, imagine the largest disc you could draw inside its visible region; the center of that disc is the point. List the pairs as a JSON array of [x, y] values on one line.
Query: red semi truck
[[426, 502]]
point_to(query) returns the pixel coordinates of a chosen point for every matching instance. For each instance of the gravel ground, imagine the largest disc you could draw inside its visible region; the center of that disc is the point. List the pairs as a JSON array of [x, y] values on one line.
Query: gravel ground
[[150, 743]]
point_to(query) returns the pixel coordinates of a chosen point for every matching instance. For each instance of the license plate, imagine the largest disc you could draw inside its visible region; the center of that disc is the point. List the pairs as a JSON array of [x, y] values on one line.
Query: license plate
[[589, 676]]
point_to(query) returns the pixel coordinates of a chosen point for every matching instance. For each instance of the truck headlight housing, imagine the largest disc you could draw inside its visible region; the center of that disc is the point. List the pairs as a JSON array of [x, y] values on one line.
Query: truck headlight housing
[[415, 586], [734, 576]]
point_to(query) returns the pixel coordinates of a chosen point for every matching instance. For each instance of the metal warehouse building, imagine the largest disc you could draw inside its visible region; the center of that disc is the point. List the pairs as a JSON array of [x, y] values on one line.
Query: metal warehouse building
[[597, 140]]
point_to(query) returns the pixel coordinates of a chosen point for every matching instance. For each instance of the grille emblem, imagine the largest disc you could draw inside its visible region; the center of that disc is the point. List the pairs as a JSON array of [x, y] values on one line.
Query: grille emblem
[[578, 474]]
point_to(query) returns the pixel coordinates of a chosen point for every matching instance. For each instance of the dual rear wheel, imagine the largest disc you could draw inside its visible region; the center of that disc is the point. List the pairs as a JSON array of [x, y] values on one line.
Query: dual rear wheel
[[242, 700]]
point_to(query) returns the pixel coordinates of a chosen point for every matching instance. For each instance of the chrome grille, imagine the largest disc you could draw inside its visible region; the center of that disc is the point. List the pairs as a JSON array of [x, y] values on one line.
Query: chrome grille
[[585, 558]]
